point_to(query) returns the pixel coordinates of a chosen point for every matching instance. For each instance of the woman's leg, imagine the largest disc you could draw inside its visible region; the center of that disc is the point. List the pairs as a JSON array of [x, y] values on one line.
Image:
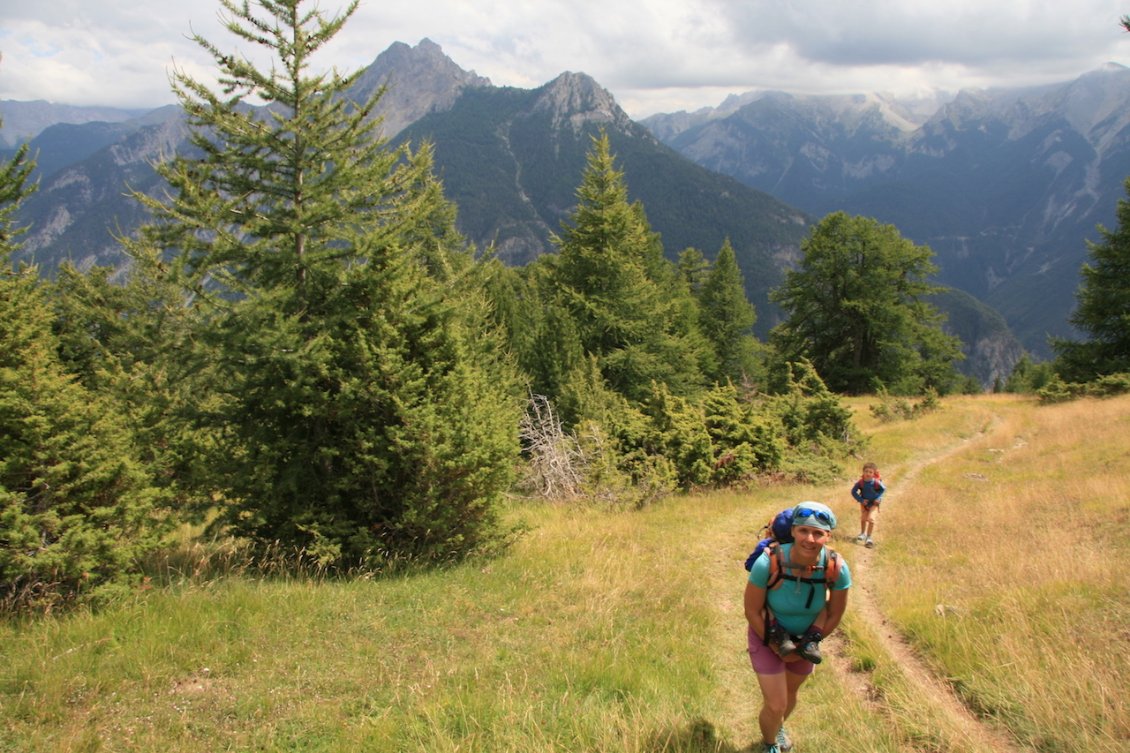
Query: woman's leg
[[775, 703], [792, 685]]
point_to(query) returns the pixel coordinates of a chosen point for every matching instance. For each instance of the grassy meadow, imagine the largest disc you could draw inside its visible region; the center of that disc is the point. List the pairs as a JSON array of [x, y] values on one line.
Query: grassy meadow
[[1000, 560]]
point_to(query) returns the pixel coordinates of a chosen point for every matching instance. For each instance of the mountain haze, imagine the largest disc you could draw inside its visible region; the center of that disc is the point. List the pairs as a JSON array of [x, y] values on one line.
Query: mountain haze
[[1006, 186], [24, 120]]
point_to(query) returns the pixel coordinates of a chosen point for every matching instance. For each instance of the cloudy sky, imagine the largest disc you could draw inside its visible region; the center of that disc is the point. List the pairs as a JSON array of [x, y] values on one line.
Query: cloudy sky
[[652, 55]]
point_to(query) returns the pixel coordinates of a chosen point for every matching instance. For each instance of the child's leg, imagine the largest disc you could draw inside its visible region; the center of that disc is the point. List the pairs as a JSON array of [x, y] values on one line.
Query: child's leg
[[872, 518], [862, 519]]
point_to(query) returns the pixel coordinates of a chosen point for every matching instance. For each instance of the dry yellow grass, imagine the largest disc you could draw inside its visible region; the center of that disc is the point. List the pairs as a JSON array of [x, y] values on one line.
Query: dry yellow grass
[[1003, 564]]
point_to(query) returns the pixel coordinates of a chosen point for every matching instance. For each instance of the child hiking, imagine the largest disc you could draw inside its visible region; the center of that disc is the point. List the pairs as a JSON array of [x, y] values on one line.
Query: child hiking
[[795, 589], [868, 492]]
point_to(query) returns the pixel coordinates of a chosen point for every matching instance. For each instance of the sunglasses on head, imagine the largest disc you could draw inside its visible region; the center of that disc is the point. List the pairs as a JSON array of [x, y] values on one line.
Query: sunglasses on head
[[808, 512]]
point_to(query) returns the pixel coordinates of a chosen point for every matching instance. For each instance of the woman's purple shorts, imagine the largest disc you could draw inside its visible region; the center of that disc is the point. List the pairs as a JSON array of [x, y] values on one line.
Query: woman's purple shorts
[[765, 662]]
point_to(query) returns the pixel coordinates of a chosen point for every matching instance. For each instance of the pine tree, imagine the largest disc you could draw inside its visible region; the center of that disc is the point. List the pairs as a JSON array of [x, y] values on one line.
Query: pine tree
[[361, 412], [855, 309], [77, 512], [1103, 308], [728, 318], [628, 303]]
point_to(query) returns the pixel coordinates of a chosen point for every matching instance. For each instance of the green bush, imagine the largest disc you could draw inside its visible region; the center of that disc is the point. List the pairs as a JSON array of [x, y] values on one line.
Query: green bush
[[678, 434], [900, 408], [1028, 376], [1059, 391], [809, 411], [77, 510], [747, 438], [1109, 385]]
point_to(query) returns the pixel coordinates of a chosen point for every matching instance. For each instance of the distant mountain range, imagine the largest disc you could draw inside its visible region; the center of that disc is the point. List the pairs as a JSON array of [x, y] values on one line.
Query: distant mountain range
[[1004, 186]]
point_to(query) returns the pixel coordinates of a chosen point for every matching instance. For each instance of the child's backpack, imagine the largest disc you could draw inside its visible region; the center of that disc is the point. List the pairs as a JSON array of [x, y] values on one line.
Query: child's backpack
[[876, 482], [780, 531]]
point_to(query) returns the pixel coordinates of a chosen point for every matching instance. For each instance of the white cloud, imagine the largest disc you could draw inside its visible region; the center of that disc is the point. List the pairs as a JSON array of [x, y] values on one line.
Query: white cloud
[[653, 55]]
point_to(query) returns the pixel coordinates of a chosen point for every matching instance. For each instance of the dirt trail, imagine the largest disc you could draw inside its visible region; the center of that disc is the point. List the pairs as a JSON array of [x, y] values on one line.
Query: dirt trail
[[975, 734]]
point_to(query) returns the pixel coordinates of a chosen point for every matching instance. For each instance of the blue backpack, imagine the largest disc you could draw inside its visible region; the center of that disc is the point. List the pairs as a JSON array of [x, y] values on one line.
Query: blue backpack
[[780, 529]]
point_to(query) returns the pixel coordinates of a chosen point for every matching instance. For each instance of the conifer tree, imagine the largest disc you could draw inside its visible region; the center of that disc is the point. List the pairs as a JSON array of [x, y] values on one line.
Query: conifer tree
[[856, 310], [728, 318], [622, 295], [1103, 308], [694, 269], [77, 512], [361, 412], [123, 339]]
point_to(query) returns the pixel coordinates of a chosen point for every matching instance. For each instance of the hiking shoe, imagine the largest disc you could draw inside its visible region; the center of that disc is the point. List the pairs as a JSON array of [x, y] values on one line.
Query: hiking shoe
[[770, 748], [784, 742], [870, 543], [810, 650], [860, 538], [779, 637], [786, 646]]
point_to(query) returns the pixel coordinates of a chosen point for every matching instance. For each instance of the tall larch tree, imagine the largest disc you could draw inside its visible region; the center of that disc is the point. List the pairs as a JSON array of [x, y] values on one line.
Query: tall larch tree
[[855, 308], [361, 414], [728, 318], [1102, 309], [630, 322]]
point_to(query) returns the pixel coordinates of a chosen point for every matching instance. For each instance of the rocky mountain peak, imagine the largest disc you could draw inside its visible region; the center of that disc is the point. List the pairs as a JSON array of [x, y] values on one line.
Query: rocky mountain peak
[[577, 99], [1094, 98], [419, 80]]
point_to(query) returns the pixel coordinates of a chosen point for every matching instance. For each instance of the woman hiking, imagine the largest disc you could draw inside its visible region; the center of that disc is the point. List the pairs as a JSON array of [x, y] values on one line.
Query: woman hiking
[[790, 581]]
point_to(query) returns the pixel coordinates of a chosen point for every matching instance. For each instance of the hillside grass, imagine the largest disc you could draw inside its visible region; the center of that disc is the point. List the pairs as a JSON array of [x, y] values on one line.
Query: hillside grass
[[1001, 564], [622, 631]]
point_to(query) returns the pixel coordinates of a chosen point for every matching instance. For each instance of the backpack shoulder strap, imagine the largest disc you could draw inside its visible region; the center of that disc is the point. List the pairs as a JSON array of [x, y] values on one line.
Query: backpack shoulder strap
[[832, 566], [776, 564]]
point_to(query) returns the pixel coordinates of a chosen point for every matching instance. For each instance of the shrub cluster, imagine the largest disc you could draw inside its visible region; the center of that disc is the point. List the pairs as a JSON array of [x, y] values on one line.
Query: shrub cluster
[[1059, 391], [722, 438], [900, 408]]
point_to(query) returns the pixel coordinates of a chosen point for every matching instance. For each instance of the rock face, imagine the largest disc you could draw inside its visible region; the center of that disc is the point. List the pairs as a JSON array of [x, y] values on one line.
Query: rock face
[[419, 80], [1006, 186], [574, 100]]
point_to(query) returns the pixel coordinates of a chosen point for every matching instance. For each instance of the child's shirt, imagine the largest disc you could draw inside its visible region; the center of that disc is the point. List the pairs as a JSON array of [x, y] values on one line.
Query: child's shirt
[[868, 492]]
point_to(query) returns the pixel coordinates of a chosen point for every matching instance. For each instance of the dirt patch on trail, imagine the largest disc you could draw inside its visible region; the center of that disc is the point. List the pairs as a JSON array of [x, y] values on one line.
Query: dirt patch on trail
[[977, 733]]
